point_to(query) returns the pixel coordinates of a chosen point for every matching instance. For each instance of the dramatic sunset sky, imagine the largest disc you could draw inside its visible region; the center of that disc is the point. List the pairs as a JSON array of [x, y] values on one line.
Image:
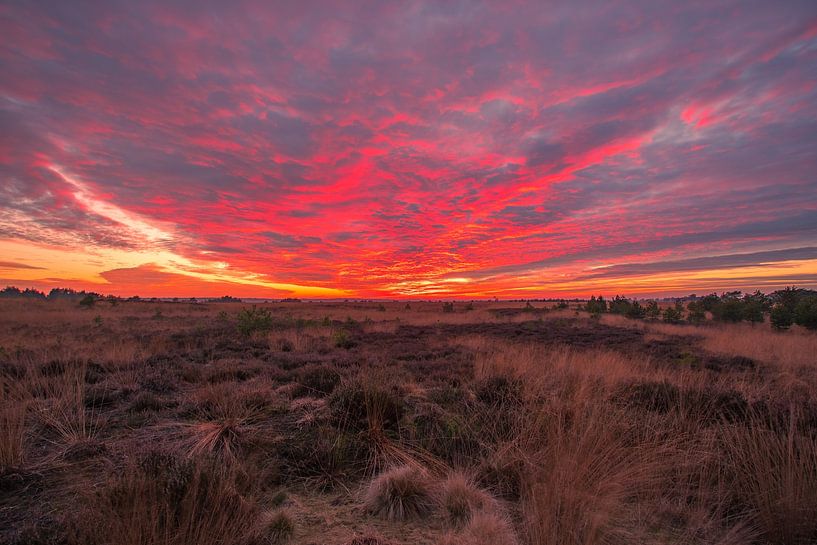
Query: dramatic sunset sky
[[408, 149]]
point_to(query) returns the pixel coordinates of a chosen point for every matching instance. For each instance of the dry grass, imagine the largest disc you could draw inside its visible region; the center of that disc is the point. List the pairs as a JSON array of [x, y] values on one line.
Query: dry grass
[[165, 502], [588, 469], [461, 499], [656, 439], [400, 493], [774, 479], [786, 349], [484, 528], [60, 403], [13, 411]]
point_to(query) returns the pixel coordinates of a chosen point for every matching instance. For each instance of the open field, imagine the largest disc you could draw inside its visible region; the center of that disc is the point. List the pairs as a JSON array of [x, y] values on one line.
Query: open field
[[367, 424]]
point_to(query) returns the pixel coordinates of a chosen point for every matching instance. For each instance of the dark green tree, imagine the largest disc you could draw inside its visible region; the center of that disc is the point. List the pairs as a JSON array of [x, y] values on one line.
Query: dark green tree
[[781, 317], [805, 313], [695, 312]]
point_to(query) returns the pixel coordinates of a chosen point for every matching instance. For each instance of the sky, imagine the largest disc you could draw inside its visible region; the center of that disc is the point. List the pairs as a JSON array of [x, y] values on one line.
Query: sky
[[408, 149]]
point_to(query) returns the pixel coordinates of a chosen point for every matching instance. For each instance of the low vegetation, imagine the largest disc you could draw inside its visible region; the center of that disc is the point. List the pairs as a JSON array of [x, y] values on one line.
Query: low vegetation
[[532, 423]]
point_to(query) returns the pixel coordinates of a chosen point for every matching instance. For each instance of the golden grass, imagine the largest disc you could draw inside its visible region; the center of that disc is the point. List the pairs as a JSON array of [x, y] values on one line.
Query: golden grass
[[774, 478], [575, 455], [192, 504]]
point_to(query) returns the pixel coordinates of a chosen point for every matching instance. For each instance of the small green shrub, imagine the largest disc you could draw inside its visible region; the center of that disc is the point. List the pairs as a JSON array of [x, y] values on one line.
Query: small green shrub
[[252, 320], [342, 339]]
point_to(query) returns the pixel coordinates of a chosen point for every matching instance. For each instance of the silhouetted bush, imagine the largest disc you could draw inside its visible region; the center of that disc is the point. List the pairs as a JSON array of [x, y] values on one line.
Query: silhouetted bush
[[596, 306]]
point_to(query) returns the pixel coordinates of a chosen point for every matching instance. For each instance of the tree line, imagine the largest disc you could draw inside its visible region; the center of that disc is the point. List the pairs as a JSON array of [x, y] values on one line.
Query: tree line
[[783, 307]]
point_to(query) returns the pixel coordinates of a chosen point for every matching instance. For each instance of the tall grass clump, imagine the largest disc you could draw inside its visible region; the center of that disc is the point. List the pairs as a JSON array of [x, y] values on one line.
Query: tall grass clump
[[400, 493], [61, 403], [165, 500], [461, 499], [13, 410], [773, 476]]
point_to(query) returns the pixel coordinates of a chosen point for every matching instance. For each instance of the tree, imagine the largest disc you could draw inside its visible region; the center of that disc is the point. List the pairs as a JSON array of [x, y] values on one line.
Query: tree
[[619, 305], [672, 315], [695, 312], [653, 310], [596, 306], [805, 314], [709, 302], [635, 311], [781, 317], [729, 309]]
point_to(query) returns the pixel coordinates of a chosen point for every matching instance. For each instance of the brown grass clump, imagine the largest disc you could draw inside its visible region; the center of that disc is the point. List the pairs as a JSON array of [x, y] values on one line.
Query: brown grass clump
[[275, 528], [13, 411], [461, 499], [400, 493], [484, 528], [169, 501], [61, 403], [588, 469], [774, 479]]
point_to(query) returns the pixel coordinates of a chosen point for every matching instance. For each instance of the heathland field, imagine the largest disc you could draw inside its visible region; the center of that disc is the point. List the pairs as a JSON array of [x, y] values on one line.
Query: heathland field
[[371, 424]]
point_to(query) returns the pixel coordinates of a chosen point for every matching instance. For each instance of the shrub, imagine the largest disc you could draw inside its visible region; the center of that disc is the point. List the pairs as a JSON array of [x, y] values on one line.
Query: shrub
[[251, 320], [400, 493], [342, 339], [88, 301], [805, 313], [448, 307]]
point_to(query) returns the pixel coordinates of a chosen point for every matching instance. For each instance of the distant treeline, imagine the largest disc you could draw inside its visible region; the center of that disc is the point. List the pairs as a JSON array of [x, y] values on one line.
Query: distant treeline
[[89, 297], [784, 308]]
